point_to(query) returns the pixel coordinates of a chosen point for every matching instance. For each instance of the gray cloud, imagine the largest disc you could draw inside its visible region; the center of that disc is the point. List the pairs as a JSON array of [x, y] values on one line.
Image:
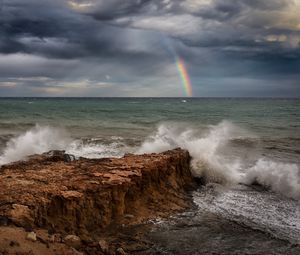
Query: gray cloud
[[47, 45]]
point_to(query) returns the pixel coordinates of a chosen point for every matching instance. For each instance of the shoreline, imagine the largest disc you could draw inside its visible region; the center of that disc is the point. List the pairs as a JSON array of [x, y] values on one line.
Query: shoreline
[[56, 205]]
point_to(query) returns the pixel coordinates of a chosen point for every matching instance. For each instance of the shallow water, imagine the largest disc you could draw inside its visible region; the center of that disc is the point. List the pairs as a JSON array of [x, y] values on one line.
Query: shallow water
[[233, 143], [201, 232], [253, 207]]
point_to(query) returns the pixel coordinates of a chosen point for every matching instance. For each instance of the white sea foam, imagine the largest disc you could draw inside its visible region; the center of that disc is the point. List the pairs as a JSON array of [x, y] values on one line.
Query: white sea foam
[[209, 151], [36, 140], [79, 148], [212, 155], [254, 208], [281, 177], [205, 149], [44, 138]]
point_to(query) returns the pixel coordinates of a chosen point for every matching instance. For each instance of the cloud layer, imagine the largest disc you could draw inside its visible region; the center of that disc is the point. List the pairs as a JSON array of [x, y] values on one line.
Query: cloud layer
[[127, 48]]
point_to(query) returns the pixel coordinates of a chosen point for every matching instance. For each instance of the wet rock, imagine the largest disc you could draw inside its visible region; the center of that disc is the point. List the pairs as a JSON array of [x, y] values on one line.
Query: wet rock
[[69, 157], [31, 236], [73, 241], [57, 155]]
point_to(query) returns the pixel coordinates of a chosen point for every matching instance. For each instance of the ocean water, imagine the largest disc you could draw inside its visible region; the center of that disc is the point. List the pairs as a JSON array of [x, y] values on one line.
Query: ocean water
[[233, 143]]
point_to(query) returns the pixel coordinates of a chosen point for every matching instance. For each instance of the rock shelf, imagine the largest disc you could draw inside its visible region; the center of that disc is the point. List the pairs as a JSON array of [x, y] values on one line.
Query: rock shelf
[[57, 196]]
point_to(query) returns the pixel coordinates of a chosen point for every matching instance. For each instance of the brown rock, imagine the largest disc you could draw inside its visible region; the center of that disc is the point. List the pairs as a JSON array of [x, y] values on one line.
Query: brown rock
[[31, 236], [103, 245], [128, 216], [120, 251], [14, 243], [73, 241], [74, 252], [80, 196], [21, 215]]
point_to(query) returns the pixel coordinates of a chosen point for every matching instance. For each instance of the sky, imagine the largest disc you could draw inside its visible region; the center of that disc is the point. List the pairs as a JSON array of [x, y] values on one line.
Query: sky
[[113, 48]]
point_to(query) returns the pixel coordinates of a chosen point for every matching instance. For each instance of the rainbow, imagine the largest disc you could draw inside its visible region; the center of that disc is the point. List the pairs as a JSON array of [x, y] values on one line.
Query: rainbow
[[182, 70]]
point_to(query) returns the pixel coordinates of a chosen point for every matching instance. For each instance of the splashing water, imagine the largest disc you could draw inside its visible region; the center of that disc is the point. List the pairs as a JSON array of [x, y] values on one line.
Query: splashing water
[[35, 141], [96, 149], [213, 157], [206, 149], [209, 158], [283, 178], [41, 139]]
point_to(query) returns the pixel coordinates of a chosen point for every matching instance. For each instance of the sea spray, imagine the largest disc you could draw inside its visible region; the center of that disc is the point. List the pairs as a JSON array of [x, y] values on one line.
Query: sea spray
[[34, 141], [212, 149], [40, 139], [205, 148], [280, 177], [214, 160], [93, 148]]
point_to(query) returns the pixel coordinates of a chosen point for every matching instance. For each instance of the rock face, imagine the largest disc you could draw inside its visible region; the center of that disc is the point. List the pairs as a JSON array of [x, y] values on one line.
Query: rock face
[[54, 192]]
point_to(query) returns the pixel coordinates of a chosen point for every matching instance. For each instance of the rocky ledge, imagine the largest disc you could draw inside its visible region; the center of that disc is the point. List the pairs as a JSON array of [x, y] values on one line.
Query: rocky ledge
[[54, 204]]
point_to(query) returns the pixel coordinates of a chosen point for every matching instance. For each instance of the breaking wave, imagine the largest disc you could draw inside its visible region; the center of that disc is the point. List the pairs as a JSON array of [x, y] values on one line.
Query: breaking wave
[[216, 160], [41, 139], [222, 153], [208, 149], [280, 177], [97, 149], [34, 141]]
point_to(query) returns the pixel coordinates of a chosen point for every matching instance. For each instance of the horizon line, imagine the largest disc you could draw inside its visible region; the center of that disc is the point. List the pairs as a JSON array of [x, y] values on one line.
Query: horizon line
[[164, 97]]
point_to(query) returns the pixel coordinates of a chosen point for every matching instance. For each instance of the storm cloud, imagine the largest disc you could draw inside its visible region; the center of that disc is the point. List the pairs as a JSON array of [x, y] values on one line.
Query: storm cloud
[[127, 48]]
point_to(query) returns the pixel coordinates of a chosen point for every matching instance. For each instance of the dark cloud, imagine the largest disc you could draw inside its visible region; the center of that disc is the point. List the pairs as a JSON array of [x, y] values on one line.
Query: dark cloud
[[109, 10], [46, 45], [220, 10], [268, 5]]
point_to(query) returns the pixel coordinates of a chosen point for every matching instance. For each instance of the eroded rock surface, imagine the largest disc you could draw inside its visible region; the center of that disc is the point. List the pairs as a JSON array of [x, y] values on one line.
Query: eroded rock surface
[[84, 197]]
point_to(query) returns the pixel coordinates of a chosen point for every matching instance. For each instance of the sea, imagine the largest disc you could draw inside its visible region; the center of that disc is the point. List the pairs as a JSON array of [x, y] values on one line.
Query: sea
[[246, 151]]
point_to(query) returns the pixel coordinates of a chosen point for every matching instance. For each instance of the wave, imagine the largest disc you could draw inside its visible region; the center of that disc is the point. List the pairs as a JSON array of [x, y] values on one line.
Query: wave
[[36, 140], [280, 177], [97, 149], [215, 160], [224, 153], [41, 139], [207, 149]]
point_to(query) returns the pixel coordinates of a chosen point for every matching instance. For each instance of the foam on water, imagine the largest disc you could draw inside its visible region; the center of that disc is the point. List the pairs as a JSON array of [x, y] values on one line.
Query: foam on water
[[209, 151], [212, 154], [257, 209], [34, 141], [281, 177], [44, 138], [97, 149]]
